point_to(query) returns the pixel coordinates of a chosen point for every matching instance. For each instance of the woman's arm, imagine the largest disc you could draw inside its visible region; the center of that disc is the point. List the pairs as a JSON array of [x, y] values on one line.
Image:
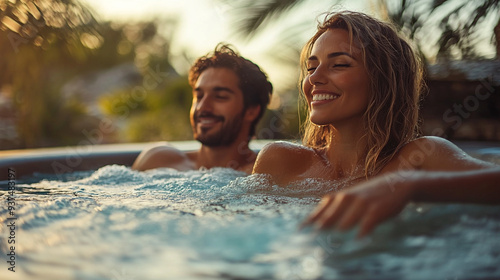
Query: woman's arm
[[374, 201], [446, 175]]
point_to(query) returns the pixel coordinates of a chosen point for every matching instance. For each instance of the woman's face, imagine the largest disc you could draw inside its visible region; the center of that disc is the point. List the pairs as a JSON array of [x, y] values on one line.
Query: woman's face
[[337, 85]]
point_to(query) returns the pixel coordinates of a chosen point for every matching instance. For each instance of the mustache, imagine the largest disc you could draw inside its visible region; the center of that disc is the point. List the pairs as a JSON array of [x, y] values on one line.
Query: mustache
[[207, 115]]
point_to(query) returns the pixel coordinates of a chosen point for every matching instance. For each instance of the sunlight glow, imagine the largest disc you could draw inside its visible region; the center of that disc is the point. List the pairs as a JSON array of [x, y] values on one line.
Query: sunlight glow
[[91, 41], [11, 24], [202, 24]]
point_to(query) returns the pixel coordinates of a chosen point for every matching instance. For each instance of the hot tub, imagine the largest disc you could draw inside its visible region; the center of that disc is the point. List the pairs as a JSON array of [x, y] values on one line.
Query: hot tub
[[103, 220]]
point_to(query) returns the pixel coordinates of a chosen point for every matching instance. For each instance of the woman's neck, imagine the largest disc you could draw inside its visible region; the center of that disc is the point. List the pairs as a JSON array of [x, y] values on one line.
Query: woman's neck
[[346, 152]]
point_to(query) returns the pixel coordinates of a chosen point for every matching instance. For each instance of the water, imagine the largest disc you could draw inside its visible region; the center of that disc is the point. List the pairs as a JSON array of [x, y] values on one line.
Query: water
[[116, 223]]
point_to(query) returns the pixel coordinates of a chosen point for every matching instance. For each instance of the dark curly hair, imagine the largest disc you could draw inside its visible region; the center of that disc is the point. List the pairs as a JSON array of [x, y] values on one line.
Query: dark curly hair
[[253, 82]]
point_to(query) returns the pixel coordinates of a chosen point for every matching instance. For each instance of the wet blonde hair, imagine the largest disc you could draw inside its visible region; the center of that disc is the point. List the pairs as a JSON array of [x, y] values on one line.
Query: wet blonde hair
[[391, 119]]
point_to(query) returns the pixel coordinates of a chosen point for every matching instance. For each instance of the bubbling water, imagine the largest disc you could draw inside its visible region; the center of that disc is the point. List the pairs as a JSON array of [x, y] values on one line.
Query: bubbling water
[[116, 223]]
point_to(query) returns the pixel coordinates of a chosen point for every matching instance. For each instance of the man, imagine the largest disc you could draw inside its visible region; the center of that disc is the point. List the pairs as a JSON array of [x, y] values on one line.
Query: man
[[230, 95]]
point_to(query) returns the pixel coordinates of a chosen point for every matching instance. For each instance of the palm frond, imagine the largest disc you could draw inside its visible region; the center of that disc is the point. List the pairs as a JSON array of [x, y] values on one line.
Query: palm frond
[[459, 23], [255, 13]]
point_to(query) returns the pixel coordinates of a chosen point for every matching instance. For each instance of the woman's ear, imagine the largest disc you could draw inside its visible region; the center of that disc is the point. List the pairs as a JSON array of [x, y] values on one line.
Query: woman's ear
[[252, 113]]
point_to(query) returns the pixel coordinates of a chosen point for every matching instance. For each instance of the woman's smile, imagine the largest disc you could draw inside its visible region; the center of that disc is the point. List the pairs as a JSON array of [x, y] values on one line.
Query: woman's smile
[[323, 96]]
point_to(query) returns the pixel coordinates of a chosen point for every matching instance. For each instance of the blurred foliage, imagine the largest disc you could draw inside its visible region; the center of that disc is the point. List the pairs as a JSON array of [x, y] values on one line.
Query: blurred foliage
[[145, 126], [458, 25], [46, 43], [454, 27], [161, 115], [53, 54], [281, 123], [39, 44], [442, 30]]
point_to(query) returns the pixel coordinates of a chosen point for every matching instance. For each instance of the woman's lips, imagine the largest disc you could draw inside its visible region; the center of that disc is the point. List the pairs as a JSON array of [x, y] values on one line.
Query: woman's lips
[[323, 97]]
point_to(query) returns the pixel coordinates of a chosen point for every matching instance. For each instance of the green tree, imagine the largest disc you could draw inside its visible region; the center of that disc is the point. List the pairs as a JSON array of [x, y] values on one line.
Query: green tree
[[162, 115], [45, 43], [40, 42]]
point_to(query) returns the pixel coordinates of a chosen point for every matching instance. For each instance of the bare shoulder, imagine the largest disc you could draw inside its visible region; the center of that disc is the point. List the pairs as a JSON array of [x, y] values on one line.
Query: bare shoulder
[[439, 154], [430, 145], [283, 159], [281, 152], [160, 156]]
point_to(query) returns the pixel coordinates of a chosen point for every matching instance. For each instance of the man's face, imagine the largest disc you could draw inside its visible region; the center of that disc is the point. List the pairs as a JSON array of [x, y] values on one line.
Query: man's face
[[217, 111]]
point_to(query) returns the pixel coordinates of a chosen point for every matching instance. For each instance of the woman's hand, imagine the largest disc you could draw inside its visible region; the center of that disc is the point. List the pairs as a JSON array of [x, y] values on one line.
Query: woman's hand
[[366, 204]]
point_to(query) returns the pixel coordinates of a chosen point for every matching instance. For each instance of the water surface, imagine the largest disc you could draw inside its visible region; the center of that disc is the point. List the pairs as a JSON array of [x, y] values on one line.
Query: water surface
[[115, 223]]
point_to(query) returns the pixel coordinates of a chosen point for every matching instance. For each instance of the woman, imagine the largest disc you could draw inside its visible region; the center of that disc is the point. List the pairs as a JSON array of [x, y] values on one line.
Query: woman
[[362, 84]]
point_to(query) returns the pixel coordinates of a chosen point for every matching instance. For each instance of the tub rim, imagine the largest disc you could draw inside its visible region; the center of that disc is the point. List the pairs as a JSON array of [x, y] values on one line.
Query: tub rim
[[60, 160]]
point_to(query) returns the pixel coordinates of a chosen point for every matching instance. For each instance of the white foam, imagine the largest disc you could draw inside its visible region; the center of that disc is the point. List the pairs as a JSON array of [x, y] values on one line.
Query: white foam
[[220, 223]]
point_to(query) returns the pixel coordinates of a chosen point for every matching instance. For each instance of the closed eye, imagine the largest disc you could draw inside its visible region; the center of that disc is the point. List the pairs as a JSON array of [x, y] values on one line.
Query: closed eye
[[311, 69], [197, 93], [198, 96], [223, 97]]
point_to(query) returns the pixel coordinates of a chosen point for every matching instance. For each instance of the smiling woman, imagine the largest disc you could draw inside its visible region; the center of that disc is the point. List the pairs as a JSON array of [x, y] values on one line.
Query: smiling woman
[[362, 84], [373, 80]]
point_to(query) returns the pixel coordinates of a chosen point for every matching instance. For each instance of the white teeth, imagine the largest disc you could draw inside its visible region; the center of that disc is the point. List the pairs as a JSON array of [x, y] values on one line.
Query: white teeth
[[206, 121], [319, 97]]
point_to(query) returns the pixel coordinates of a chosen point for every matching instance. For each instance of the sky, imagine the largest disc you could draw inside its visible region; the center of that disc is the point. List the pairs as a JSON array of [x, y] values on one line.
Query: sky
[[204, 23]]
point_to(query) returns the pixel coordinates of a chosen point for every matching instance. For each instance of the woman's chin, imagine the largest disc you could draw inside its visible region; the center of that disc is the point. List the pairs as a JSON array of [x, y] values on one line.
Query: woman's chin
[[319, 121]]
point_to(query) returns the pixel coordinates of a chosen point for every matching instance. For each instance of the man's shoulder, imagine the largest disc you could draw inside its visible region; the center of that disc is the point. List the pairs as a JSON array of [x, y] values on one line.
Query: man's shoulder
[[160, 156]]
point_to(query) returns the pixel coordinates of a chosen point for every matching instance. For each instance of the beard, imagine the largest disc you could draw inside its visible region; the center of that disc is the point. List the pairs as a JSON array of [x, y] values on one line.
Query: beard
[[225, 136]]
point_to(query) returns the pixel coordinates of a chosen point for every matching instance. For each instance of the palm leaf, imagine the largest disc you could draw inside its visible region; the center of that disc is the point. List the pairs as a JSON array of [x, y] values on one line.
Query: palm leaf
[[455, 35], [256, 13]]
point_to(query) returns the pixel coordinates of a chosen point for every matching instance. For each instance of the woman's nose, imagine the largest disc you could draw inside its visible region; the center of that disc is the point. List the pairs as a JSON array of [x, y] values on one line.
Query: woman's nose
[[317, 76]]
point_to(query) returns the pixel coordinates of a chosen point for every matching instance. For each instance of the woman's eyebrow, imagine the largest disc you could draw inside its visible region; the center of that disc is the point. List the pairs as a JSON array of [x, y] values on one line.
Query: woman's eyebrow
[[332, 55]]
